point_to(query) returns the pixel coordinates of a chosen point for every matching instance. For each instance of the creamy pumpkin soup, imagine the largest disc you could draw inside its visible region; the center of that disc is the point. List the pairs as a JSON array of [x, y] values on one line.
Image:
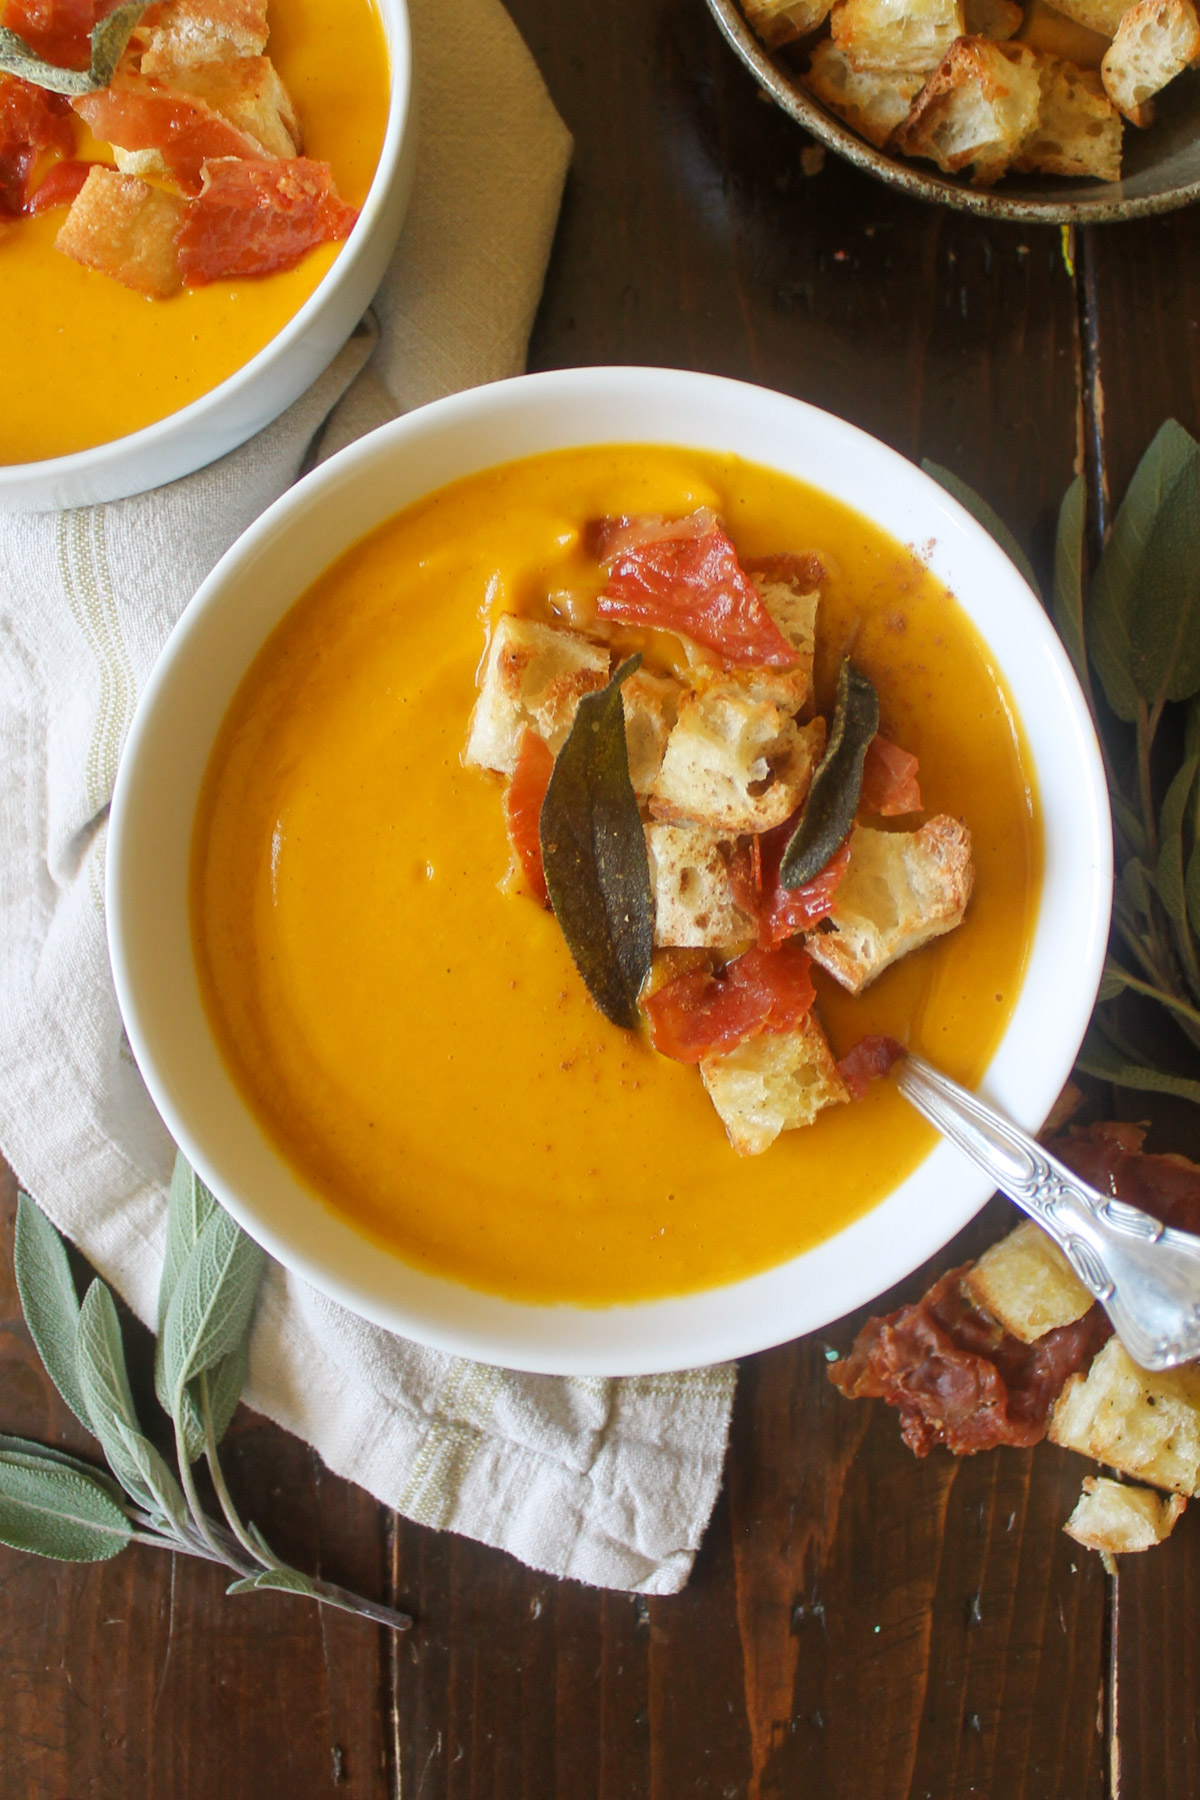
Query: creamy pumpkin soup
[[406, 1020], [158, 233]]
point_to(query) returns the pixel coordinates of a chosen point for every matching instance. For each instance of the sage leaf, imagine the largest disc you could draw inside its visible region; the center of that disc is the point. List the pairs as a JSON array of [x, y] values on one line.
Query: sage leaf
[[1128, 823], [1114, 980], [1106, 1062], [49, 1301], [1068, 577], [1114, 587], [1135, 890], [594, 855], [1191, 889], [109, 39], [1169, 873], [56, 1511], [1164, 620], [104, 1378], [286, 1581], [18, 1449], [210, 1309], [991, 521], [190, 1205], [837, 784]]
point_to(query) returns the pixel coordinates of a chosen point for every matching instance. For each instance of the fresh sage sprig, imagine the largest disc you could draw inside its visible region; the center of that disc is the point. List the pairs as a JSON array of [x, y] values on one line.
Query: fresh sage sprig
[[1135, 626], [61, 1506], [108, 42]]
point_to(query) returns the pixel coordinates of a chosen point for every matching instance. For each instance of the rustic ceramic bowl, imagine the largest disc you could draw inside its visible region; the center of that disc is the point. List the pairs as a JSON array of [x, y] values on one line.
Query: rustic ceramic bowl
[[181, 711], [266, 385], [1162, 166]]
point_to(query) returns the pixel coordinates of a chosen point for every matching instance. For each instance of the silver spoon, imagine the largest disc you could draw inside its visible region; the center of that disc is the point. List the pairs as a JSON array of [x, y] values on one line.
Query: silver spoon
[[1145, 1275]]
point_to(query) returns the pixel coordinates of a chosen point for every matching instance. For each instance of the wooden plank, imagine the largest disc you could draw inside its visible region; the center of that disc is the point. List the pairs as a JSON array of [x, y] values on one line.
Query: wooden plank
[[138, 1677], [1142, 287]]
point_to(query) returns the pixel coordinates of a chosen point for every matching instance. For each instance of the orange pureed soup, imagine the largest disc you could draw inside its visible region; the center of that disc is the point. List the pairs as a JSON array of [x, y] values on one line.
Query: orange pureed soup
[[418, 1044], [91, 360]]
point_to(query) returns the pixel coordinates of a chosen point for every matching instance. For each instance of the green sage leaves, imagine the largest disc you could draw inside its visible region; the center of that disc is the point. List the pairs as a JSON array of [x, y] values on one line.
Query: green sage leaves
[[109, 39], [837, 784], [594, 855]]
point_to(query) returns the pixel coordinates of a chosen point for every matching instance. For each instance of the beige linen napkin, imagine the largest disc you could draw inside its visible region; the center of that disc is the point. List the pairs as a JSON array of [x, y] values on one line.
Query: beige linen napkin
[[611, 1482]]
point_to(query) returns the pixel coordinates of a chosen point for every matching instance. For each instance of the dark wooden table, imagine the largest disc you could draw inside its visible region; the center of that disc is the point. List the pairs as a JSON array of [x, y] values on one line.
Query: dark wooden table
[[860, 1625]]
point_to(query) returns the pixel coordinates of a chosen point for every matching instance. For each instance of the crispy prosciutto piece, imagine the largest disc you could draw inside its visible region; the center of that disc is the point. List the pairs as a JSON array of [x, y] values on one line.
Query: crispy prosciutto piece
[[683, 575], [523, 809], [759, 991], [957, 1377], [59, 186], [59, 31], [257, 217], [870, 1057], [1110, 1157], [782, 912], [889, 785], [30, 120], [137, 114]]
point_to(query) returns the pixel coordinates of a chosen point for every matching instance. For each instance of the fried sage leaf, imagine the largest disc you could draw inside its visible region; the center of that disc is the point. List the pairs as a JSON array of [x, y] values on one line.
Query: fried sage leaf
[[594, 855], [109, 39], [837, 785]]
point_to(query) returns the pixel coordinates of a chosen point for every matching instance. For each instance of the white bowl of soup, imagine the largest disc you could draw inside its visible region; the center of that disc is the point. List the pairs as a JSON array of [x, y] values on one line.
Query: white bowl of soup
[[114, 392], [386, 1066]]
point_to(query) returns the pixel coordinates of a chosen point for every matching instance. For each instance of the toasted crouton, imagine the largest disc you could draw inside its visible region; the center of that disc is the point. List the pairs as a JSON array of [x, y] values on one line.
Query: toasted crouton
[[896, 37], [695, 903], [900, 889], [1100, 16], [997, 19], [1052, 34], [789, 587], [1027, 1283], [873, 104], [976, 109], [1078, 130], [203, 31], [125, 228], [1146, 1426], [651, 708], [736, 760], [1155, 40], [533, 678], [780, 21], [1115, 1519], [247, 92], [777, 1081]]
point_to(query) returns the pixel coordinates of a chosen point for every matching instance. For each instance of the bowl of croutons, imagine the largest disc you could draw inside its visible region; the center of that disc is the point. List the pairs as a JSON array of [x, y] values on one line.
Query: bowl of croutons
[[1077, 112], [544, 829]]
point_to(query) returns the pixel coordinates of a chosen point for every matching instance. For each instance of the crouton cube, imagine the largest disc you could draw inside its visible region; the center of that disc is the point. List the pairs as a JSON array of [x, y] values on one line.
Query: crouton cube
[[1027, 1283], [896, 37], [1155, 40], [695, 901], [1115, 1519], [123, 227], [1049, 31], [900, 889], [1078, 129], [736, 759], [777, 1081], [1145, 1426], [533, 679], [976, 109], [248, 92], [651, 708], [789, 587], [780, 21], [203, 31], [1099, 16], [871, 103], [997, 19]]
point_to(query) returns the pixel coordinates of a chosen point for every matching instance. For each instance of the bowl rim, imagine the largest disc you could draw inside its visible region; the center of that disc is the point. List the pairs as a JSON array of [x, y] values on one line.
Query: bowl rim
[[17, 479], [922, 184], [854, 1264]]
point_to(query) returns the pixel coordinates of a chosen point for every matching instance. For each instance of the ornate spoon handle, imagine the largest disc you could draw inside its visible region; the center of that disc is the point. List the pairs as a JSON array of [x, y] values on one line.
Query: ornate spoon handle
[[1145, 1275]]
